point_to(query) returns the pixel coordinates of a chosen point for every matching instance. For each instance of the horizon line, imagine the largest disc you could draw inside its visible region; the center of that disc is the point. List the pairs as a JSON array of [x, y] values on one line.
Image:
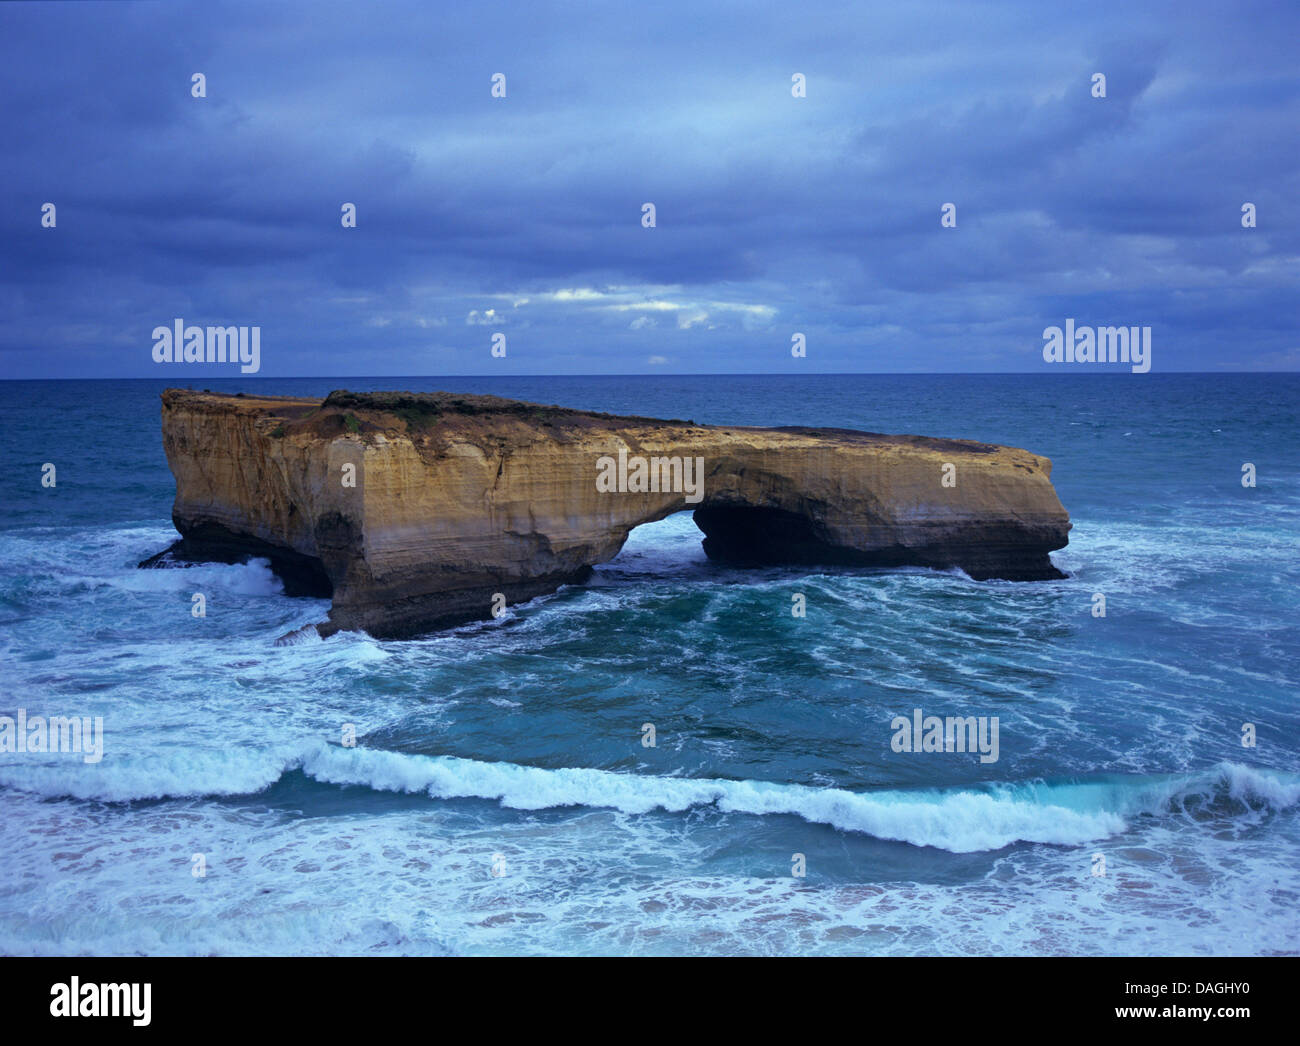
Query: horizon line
[[697, 374]]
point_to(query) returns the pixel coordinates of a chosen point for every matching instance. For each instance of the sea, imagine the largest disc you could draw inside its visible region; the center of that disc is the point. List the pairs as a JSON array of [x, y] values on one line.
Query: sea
[[504, 795]]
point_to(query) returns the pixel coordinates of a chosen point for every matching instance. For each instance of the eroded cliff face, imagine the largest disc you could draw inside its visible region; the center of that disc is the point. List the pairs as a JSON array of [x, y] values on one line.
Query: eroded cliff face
[[415, 511]]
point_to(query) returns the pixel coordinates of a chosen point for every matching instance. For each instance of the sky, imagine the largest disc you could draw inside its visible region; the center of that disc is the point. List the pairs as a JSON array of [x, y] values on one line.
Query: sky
[[523, 215]]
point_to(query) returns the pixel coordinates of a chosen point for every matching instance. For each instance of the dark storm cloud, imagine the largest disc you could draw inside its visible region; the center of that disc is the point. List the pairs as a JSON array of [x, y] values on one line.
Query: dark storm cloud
[[523, 215]]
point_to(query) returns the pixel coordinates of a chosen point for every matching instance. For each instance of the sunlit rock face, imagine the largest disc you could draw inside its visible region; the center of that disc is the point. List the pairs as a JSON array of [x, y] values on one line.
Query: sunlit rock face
[[422, 511]]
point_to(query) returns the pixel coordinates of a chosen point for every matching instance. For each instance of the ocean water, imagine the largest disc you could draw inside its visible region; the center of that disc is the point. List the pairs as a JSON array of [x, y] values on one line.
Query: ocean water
[[514, 747]]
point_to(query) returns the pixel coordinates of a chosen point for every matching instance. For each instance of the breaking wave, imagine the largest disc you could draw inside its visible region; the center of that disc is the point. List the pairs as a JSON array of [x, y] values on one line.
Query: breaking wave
[[962, 820]]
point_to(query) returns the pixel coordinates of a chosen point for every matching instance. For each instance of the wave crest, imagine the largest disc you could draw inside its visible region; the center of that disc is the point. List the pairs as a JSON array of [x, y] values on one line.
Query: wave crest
[[958, 820]]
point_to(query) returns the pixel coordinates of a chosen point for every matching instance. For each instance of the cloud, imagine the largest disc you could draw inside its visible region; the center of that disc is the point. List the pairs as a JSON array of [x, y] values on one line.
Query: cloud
[[775, 214]]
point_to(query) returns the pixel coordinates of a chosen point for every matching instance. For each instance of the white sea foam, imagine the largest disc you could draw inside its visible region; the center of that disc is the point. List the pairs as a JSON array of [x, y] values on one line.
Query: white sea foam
[[174, 773], [253, 578], [960, 821]]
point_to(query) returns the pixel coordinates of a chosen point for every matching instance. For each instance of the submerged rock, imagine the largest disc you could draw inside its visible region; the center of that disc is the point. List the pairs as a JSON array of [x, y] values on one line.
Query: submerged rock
[[423, 511]]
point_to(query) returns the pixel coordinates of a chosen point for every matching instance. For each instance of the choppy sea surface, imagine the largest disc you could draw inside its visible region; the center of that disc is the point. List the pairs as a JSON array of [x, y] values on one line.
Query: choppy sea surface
[[500, 800]]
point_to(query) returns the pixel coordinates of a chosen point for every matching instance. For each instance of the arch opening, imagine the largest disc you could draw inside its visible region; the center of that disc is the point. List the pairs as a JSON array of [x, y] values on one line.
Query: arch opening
[[749, 534]]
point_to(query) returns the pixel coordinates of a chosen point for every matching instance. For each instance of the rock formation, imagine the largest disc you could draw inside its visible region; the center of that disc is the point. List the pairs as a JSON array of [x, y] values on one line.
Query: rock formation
[[413, 511]]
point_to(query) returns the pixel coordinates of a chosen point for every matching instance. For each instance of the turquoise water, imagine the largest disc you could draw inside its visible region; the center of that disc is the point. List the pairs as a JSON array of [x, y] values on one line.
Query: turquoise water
[[519, 741]]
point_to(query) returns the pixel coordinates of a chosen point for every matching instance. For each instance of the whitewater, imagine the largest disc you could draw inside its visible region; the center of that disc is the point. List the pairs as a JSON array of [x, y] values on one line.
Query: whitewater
[[498, 799]]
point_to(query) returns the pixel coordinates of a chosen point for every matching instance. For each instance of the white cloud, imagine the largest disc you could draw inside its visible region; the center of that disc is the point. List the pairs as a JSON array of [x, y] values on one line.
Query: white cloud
[[644, 301], [577, 294], [646, 306]]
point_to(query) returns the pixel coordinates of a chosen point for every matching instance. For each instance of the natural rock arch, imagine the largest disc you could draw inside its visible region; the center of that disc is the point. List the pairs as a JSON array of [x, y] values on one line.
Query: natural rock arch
[[457, 499]]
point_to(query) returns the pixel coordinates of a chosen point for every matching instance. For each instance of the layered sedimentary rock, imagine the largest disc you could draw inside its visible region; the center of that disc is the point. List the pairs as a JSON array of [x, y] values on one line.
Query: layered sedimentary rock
[[417, 512]]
